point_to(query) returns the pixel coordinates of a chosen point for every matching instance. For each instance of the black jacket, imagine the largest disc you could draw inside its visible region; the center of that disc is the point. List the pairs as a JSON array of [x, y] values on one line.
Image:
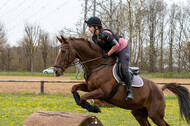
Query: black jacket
[[106, 42]]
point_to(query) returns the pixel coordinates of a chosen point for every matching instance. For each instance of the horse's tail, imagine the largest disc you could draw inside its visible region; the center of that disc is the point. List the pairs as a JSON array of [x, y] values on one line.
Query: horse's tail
[[183, 96]]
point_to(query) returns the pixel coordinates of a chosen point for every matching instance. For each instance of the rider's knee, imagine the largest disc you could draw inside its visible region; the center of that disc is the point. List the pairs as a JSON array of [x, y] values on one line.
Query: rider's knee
[[127, 57]]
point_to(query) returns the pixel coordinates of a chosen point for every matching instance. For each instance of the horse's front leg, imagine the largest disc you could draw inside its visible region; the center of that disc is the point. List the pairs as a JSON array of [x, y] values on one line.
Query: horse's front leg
[[77, 98], [82, 101], [81, 87], [95, 94], [76, 87]]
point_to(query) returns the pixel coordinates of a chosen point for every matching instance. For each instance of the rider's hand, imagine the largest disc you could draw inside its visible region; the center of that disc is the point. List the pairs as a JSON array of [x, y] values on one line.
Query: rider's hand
[[105, 55]]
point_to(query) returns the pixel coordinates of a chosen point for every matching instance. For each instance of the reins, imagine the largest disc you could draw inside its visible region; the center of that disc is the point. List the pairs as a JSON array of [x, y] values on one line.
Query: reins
[[92, 59], [86, 74]]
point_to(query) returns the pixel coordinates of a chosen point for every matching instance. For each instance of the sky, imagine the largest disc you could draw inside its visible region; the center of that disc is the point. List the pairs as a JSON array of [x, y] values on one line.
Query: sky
[[50, 15]]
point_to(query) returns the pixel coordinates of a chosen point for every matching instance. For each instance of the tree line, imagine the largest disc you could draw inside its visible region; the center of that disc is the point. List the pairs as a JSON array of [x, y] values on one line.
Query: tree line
[[35, 52], [157, 32]]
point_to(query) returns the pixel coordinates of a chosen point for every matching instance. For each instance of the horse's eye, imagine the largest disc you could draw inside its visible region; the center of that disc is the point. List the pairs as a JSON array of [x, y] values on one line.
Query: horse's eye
[[63, 51]]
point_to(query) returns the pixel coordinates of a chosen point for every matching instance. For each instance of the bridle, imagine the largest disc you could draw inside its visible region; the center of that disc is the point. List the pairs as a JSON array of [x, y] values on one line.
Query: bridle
[[68, 56]]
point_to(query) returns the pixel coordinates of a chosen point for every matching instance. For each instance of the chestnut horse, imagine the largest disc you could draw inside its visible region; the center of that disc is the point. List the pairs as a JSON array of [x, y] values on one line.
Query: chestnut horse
[[99, 82]]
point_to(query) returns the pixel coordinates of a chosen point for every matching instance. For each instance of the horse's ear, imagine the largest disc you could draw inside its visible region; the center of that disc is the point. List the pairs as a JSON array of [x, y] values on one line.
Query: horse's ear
[[60, 40], [64, 39]]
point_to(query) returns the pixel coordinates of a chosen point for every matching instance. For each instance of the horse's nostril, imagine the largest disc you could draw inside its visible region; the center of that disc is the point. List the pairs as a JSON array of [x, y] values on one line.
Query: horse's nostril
[[56, 72]]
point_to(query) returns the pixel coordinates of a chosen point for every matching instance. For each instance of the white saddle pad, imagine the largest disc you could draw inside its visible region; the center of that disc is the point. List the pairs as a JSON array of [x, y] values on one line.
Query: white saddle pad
[[136, 82]]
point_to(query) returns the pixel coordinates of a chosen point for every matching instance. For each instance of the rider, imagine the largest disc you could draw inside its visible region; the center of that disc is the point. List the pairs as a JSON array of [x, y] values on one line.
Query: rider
[[112, 44]]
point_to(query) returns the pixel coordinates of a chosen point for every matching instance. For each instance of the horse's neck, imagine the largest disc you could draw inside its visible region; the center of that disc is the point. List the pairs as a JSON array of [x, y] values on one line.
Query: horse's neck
[[85, 53]]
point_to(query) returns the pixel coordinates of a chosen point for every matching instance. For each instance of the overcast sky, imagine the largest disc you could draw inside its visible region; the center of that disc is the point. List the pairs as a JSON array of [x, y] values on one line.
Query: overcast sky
[[50, 15]]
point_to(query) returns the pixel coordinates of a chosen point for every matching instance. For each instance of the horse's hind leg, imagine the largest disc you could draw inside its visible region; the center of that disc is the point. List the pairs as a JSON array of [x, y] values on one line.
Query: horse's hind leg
[[141, 116], [158, 119], [156, 113]]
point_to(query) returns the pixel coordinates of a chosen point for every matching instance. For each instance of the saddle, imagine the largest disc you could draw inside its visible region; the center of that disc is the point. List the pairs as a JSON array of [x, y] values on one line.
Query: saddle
[[136, 80], [133, 71]]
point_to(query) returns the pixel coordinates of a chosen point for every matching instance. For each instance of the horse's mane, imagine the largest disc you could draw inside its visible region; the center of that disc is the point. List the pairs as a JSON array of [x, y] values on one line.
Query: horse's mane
[[91, 44]]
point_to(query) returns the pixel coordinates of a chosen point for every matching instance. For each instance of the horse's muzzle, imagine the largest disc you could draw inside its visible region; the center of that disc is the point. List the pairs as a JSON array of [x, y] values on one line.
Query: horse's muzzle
[[58, 71]]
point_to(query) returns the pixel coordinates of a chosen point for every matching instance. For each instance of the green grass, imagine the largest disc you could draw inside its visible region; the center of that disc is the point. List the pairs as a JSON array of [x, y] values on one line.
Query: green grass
[[165, 75], [15, 109], [146, 75], [34, 74]]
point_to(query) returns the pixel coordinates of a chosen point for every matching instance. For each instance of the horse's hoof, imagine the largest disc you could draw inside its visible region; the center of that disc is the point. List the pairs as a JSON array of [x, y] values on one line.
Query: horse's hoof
[[91, 108], [96, 109]]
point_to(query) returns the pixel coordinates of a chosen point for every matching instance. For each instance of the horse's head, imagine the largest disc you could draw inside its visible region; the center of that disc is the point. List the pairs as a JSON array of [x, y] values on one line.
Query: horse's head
[[65, 56]]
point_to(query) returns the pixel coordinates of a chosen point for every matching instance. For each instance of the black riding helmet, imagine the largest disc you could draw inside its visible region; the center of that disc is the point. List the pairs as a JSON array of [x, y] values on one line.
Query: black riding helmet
[[94, 21]]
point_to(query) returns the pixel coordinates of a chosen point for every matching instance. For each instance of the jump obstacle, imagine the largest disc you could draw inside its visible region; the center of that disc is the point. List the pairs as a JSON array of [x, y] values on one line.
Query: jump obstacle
[[51, 118]]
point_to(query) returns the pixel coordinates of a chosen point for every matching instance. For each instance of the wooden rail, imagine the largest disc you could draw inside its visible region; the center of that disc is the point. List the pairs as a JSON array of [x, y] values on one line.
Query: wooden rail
[[42, 82], [67, 81]]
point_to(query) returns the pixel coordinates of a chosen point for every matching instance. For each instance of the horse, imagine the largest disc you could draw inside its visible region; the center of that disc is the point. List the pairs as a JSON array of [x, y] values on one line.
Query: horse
[[149, 100]]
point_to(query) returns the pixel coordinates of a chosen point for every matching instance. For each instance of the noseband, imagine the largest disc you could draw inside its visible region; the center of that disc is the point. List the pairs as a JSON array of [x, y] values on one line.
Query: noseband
[[67, 58]]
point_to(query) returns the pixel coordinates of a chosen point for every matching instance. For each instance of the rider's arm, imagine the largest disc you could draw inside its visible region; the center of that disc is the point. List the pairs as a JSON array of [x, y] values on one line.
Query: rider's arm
[[112, 50], [108, 37]]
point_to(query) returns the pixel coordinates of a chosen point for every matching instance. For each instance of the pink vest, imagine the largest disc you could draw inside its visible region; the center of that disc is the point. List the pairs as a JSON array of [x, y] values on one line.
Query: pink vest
[[120, 45]]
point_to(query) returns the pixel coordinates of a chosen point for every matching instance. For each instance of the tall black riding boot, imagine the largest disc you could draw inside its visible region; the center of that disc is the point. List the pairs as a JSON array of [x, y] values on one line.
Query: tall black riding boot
[[129, 94]]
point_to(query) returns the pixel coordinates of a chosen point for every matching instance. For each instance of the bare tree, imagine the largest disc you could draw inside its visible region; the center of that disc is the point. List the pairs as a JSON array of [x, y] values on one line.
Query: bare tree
[[3, 51], [130, 22], [135, 27], [171, 35], [85, 16], [186, 58], [111, 14], [94, 10], [44, 46], [152, 23], [3, 39], [161, 18], [30, 43]]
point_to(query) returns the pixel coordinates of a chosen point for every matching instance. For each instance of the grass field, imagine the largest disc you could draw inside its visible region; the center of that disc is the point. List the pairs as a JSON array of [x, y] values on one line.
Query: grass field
[[15, 108], [146, 75]]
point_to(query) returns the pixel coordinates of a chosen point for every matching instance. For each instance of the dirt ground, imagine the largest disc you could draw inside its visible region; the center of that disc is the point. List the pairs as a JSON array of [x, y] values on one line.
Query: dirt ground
[[58, 88], [34, 87]]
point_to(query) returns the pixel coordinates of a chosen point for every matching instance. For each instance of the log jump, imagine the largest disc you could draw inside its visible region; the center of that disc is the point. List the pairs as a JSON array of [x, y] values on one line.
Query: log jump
[[51, 118]]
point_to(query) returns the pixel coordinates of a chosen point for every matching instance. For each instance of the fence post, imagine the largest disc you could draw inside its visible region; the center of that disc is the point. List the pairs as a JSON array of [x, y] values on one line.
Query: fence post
[[42, 87]]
